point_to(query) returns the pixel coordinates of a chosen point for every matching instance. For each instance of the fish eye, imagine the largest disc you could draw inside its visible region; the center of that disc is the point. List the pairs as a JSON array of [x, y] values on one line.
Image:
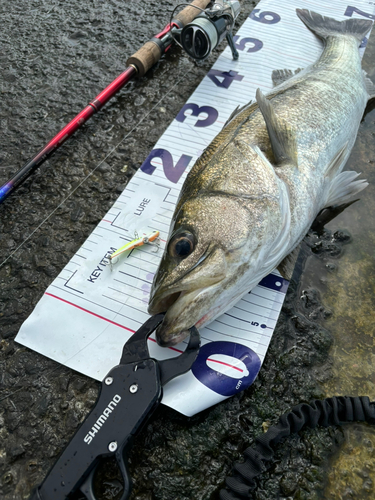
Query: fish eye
[[181, 245]]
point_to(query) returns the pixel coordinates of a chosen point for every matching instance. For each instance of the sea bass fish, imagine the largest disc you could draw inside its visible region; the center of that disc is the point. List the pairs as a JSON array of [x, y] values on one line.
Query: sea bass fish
[[253, 194]]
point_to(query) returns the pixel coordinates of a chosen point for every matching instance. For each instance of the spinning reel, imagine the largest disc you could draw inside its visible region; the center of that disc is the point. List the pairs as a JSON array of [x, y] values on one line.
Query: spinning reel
[[202, 35]]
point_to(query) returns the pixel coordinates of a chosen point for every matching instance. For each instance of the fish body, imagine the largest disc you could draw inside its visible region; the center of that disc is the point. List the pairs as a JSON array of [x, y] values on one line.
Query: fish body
[[252, 196]]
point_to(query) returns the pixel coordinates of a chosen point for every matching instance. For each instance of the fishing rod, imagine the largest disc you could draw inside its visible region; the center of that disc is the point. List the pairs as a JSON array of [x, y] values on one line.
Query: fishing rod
[[196, 28]]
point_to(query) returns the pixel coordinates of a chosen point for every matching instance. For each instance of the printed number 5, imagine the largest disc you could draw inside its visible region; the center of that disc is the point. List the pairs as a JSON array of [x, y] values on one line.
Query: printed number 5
[[241, 43]]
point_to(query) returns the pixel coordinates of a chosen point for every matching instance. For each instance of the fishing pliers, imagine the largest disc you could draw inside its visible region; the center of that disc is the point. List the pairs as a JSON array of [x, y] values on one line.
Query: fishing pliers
[[129, 394]]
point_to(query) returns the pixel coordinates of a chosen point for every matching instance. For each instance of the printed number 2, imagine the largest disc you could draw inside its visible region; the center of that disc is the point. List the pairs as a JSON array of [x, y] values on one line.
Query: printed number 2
[[265, 17], [349, 12], [172, 172], [196, 111]]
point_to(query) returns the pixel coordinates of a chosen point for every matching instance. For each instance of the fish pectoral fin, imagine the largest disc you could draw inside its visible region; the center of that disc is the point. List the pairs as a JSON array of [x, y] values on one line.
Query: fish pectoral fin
[[343, 187], [337, 161], [280, 76], [287, 265], [282, 137], [370, 86]]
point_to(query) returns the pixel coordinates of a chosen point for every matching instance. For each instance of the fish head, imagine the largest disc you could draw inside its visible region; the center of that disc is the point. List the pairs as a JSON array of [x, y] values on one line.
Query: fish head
[[211, 244]]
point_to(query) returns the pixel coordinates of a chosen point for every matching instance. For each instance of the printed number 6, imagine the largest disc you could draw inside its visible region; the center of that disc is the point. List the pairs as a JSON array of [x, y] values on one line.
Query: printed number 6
[[275, 18]]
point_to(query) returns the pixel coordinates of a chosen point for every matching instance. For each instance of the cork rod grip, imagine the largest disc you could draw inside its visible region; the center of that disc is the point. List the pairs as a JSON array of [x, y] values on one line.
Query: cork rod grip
[[189, 13], [145, 57], [150, 53]]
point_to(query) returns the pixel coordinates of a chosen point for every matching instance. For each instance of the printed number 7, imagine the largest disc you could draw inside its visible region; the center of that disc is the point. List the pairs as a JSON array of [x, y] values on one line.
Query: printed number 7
[[349, 12]]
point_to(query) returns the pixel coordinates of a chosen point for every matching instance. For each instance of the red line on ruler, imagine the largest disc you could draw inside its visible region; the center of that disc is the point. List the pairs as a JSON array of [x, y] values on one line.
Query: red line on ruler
[[212, 360], [226, 364], [125, 328], [171, 348], [90, 312]]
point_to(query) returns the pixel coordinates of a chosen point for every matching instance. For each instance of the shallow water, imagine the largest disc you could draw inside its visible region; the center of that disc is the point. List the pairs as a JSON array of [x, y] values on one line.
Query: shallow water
[[55, 58], [346, 282], [349, 292]]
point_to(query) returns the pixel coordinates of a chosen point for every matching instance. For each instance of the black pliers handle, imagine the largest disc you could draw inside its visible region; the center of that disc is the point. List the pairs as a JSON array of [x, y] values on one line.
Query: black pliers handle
[[129, 394]]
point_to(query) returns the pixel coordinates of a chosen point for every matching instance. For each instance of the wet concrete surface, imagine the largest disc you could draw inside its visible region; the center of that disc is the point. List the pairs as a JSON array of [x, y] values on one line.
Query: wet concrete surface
[[55, 57]]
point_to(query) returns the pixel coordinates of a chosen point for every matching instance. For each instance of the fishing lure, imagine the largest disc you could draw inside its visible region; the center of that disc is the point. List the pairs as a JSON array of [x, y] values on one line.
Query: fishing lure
[[149, 238]]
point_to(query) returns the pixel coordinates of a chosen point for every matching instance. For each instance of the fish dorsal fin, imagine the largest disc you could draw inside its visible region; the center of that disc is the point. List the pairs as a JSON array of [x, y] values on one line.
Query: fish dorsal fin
[[280, 76], [282, 137]]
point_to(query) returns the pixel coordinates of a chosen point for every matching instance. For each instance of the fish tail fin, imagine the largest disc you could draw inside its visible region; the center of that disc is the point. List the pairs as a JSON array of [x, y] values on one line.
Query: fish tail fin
[[324, 27]]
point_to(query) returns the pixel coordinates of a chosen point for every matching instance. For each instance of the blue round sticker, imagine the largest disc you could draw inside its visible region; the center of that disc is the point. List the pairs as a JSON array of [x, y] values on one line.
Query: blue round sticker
[[230, 376]]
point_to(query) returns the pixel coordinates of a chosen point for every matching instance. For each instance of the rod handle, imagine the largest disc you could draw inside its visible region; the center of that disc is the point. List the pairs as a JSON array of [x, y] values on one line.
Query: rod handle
[[145, 58], [189, 13], [150, 53]]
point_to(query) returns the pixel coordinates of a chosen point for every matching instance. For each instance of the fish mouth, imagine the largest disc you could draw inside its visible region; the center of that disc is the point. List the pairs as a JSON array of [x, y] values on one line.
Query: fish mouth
[[164, 303], [171, 339], [178, 318]]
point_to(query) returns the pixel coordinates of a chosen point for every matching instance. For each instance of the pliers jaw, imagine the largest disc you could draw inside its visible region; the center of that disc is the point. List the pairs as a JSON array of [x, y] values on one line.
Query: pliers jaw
[[129, 394]]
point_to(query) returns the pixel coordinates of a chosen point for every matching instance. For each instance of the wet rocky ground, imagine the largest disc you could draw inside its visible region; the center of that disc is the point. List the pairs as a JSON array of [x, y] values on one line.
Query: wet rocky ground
[[55, 57]]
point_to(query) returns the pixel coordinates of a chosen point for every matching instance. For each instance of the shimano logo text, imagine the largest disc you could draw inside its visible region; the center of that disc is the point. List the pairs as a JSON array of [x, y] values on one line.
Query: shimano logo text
[[101, 420]]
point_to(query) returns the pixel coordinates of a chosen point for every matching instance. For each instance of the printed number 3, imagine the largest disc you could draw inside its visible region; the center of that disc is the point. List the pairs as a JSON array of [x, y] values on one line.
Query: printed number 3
[[196, 110]]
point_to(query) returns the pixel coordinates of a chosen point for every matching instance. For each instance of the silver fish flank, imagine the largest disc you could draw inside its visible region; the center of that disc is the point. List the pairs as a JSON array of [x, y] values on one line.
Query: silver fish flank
[[253, 194]]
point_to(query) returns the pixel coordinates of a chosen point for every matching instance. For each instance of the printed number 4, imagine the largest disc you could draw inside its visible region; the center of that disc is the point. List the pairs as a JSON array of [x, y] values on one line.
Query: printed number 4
[[227, 77]]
